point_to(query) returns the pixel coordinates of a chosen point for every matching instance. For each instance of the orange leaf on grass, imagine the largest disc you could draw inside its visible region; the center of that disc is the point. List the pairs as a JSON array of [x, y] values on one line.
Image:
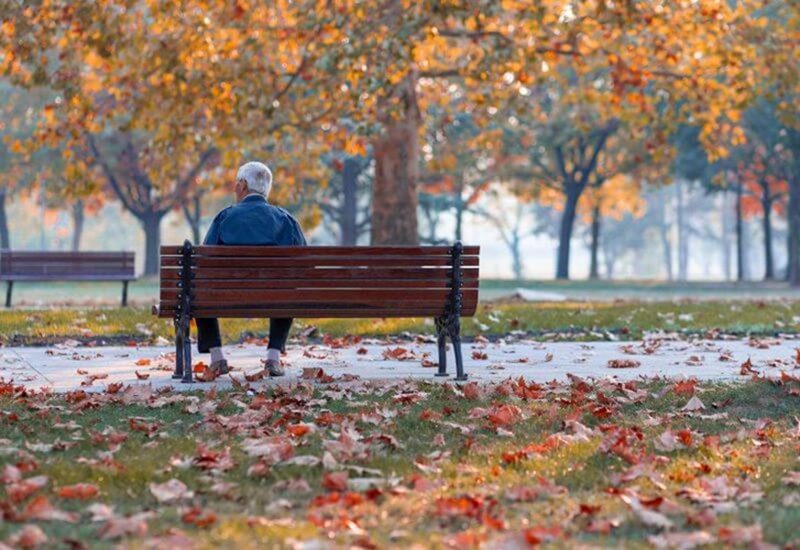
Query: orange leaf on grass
[[335, 481], [143, 362], [199, 517], [80, 491]]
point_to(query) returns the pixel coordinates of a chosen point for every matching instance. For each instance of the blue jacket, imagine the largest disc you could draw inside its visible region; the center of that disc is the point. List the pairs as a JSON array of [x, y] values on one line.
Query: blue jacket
[[255, 222]]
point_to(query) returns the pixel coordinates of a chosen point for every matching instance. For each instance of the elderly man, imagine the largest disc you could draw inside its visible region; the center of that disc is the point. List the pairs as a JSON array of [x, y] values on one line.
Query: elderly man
[[251, 221]]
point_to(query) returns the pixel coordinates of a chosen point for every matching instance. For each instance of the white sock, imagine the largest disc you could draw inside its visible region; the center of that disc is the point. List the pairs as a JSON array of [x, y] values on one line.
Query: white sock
[[216, 355], [273, 354]]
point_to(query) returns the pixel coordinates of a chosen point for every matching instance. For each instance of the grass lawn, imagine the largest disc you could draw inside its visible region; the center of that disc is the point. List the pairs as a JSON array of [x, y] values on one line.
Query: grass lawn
[[545, 320], [399, 464]]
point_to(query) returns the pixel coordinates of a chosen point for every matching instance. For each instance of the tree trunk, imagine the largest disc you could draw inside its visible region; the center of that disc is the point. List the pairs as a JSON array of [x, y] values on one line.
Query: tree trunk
[[194, 216], [726, 233], [516, 258], [663, 232], [5, 238], [396, 150], [740, 275], [78, 218], [151, 224], [594, 268], [769, 262], [794, 230], [683, 237], [565, 233], [349, 207]]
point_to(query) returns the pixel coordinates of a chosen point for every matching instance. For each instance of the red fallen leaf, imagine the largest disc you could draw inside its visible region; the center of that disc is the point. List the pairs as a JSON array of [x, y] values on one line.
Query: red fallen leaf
[[343, 342], [335, 481], [602, 527], [255, 377], [298, 430], [135, 525], [480, 355], [428, 364], [685, 437], [623, 363], [23, 489], [199, 517], [538, 535], [80, 491], [211, 459], [747, 368], [797, 356], [589, 509], [203, 372], [30, 536], [75, 396], [82, 371], [685, 387], [41, 509], [399, 354], [361, 351], [471, 390], [141, 375], [259, 469], [113, 387], [503, 415], [143, 362], [312, 373], [138, 425], [652, 503]]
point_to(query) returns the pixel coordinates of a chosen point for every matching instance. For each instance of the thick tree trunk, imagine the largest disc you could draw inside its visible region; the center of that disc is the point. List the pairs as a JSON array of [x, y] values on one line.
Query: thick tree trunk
[[151, 224], [794, 231], [769, 262], [565, 234], [78, 218], [740, 267], [349, 207], [5, 238], [396, 149], [725, 236], [594, 268]]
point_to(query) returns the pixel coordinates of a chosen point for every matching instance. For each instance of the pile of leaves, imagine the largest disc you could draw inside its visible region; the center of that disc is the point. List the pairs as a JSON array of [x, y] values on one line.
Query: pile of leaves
[[366, 464]]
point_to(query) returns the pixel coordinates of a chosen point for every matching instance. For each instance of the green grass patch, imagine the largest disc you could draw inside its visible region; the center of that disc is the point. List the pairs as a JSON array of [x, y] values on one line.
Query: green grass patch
[[446, 464], [546, 321]]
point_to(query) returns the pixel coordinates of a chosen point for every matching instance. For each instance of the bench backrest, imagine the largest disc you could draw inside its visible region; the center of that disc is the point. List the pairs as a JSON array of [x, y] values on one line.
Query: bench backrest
[[48, 266], [319, 281]]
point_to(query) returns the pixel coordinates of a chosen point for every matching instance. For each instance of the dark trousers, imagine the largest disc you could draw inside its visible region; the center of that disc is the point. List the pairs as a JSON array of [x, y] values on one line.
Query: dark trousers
[[208, 334]]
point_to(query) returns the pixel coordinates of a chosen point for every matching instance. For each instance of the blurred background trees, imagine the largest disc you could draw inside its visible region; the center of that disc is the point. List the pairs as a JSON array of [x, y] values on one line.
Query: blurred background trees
[[645, 131]]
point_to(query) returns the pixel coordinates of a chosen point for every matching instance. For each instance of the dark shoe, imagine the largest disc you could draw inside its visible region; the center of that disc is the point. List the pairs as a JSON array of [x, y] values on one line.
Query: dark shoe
[[220, 367], [273, 368]]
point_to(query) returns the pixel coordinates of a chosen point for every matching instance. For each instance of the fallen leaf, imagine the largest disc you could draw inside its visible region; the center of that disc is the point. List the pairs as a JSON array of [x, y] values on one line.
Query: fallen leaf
[[170, 491], [79, 491], [623, 363]]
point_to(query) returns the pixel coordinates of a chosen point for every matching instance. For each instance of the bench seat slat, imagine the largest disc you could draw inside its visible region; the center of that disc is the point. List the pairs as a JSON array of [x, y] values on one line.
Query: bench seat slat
[[369, 295], [343, 284], [320, 261], [277, 251], [306, 313], [314, 273]]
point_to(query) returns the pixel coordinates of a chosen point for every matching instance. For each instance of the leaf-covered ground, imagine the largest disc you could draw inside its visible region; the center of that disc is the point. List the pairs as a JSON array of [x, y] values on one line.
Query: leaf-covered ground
[[544, 321], [347, 462]]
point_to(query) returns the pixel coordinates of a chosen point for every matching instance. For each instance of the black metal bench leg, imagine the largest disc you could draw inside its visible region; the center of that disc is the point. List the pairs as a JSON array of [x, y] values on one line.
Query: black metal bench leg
[[460, 376], [187, 356], [124, 293], [441, 341], [9, 288], [178, 374]]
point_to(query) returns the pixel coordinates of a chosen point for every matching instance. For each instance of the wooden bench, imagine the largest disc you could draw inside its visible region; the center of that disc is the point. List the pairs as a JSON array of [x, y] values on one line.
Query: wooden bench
[[319, 282], [18, 265]]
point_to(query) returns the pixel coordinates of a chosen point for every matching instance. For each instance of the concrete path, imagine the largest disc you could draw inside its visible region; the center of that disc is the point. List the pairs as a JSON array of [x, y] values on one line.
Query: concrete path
[[66, 367]]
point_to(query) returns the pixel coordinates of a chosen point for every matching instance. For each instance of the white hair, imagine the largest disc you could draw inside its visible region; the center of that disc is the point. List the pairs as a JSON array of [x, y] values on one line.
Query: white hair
[[257, 177]]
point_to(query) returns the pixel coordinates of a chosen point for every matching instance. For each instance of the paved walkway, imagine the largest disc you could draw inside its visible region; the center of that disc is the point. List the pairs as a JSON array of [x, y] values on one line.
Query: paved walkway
[[65, 367]]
